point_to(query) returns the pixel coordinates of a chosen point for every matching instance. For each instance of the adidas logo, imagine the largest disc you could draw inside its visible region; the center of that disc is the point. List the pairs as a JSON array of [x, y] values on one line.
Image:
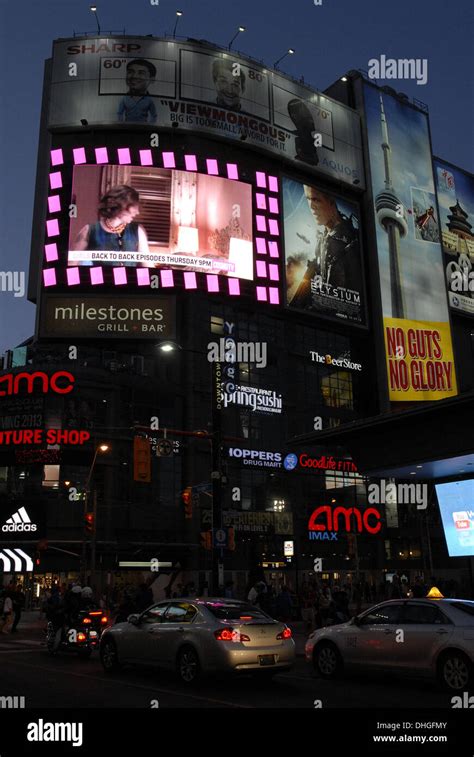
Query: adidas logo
[[20, 521]]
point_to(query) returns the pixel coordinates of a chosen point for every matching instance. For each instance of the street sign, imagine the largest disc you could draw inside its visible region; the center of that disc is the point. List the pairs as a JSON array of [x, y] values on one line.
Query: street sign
[[164, 448], [220, 537]]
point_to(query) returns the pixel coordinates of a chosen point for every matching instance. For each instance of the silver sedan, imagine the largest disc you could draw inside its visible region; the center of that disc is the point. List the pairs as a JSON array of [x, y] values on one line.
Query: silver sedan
[[200, 636], [418, 637]]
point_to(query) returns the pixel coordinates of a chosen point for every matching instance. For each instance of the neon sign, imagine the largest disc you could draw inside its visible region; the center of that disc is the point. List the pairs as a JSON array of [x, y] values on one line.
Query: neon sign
[[327, 527], [14, 383]]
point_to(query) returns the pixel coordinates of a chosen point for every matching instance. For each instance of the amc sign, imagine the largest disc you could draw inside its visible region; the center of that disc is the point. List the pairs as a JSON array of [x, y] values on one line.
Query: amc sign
[[325, 522]]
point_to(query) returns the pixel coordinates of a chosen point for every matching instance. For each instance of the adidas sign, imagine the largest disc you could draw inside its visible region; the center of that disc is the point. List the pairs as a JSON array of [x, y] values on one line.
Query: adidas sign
[[20, 521]]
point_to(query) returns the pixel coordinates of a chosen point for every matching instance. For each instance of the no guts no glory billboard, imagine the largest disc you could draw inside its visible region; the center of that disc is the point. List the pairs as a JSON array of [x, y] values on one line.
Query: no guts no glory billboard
[[161, 83]]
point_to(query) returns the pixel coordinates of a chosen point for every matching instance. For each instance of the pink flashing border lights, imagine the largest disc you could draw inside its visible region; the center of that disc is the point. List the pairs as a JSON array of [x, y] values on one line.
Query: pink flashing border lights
[[120, 276], [212, 167], [273, 249], [273, 184], [124, 155], [54, 204], [264, 225], [167, 279], [101, 155], [49, 277], [146, 158], [261, 201], [190, 281], [190, 163], [51, 252], [261, 223], [79, 155], [273, 271], [97, 275], [234, 286], [73, 277], [232, 171], [274, 295], [57, 158], [212, 282], [261, 268], [168, 160], [55, 180], [273, 205], [52, 227], [273, 227], [143, 277]]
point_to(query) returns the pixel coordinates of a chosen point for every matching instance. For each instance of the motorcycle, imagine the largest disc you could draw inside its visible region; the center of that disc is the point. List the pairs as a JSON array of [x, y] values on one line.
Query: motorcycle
[[82, 636]]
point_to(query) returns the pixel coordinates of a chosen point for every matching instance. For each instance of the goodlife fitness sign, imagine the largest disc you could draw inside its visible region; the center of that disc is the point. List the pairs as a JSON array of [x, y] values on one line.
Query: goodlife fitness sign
[[272, 459]]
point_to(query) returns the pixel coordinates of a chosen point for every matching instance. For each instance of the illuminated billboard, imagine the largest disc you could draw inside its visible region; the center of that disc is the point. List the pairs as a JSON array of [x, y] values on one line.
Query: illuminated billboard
[[456, 505], [195, 86], [182, 220], [322, 253], [155, 217], [455, 190], [418, 345]]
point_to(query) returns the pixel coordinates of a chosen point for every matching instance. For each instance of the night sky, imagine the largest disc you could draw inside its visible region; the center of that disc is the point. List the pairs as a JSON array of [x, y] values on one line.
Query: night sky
[[329, 40]]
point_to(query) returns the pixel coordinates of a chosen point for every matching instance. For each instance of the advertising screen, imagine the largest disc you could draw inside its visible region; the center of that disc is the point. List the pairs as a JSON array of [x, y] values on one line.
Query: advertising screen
[[322, 253], [418, 345], [456, 505], [153, 217], [198, 88], [456, 207]]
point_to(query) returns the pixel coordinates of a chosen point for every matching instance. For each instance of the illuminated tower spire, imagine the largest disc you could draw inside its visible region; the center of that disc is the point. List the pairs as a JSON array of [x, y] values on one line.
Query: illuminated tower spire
[[391, 215]]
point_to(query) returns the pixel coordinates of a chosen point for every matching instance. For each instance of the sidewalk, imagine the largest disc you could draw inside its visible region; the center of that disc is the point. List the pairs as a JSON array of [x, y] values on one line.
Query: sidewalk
[[30, 625]]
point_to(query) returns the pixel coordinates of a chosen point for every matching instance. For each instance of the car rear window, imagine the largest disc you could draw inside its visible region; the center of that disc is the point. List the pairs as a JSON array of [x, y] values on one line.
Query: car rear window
[[225, 611], [467, 607]]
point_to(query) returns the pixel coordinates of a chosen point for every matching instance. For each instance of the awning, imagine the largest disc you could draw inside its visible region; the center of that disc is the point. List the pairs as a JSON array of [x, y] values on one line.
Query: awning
[[14, 560]]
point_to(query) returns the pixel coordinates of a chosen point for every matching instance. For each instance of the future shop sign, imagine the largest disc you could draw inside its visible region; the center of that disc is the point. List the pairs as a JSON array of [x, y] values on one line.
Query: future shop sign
[[60, 382]]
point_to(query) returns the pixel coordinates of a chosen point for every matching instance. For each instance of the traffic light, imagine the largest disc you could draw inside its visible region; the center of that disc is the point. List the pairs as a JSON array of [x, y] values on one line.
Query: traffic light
[[37, 559], [141, 459], [188, 502], [89, 523], [230, 539], [206, 539]]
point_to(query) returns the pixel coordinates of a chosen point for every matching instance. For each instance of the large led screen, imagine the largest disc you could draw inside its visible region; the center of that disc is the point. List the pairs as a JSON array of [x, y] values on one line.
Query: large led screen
[[456, 505], [322, 253], [154, 217]]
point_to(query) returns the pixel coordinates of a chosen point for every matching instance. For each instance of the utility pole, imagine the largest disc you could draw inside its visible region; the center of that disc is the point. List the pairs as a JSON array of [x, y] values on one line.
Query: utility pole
[[216, 476], [94, 538]]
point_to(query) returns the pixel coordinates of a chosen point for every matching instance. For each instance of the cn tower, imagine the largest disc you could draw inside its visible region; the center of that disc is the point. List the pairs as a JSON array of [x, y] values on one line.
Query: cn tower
[[391, 215]]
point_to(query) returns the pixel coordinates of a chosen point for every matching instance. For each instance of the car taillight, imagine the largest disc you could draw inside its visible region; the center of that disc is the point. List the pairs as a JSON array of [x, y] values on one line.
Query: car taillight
[[81, 637], [230, 634], [104, 619], [285, 634], [87, 620]]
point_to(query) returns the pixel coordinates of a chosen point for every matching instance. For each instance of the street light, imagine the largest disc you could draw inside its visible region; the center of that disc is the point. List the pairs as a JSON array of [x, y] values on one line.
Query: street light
[[239, 29], [178, 16], [94, 11], [290, 51], [100, 448]]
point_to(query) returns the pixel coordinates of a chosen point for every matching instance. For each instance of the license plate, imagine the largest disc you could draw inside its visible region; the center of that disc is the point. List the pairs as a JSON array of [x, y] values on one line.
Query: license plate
[[267, 659]]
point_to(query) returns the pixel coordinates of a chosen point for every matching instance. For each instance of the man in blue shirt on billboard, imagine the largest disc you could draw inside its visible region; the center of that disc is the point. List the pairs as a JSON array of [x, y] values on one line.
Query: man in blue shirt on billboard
[[137, 106]]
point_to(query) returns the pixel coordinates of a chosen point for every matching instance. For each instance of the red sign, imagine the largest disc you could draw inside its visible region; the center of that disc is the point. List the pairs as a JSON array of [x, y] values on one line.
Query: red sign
[[326, 463], [19, 383], [26, 436], [331, 519]]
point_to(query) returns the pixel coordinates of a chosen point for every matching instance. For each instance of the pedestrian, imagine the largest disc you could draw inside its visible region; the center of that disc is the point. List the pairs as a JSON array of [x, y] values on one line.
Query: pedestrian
[[284, 604], [6, 618], [18, 605], [229, 590]]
